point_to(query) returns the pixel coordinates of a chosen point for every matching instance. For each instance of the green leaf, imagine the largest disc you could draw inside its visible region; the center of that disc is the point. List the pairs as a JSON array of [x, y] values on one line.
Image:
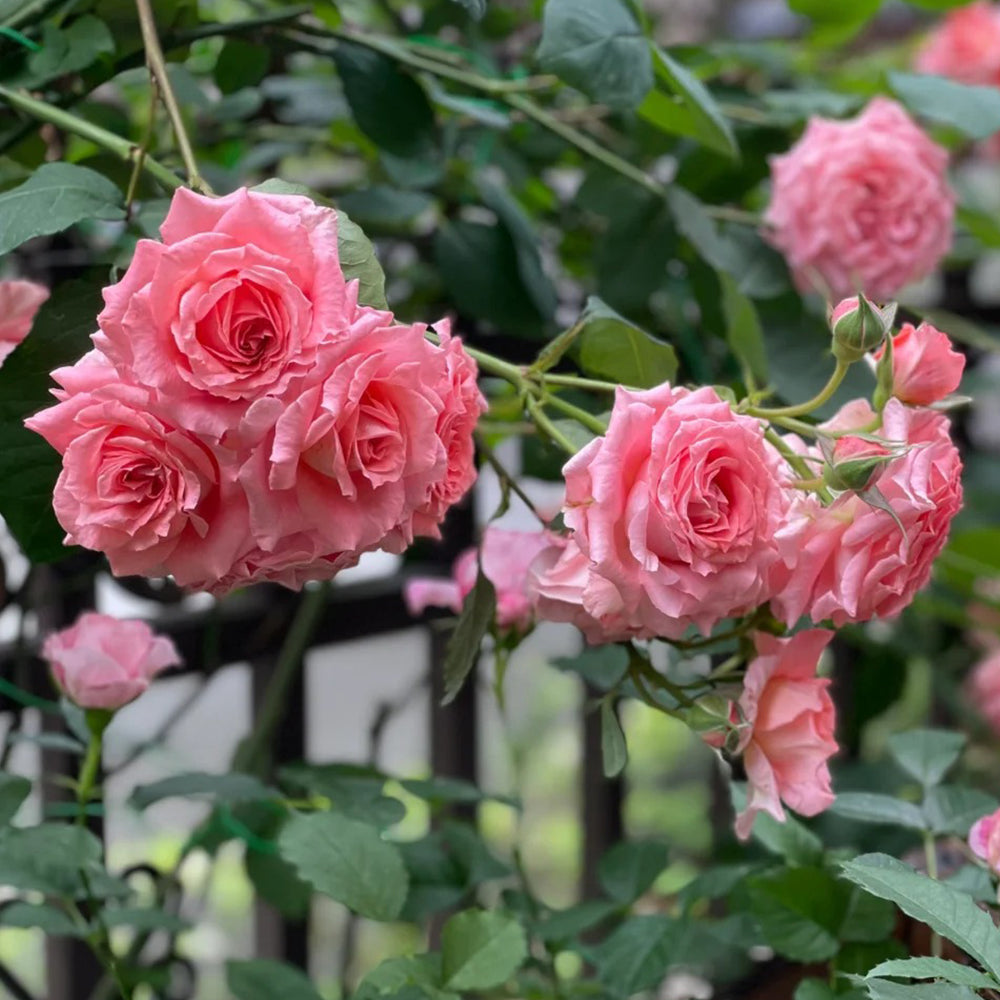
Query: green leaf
[[481, 950], [934, 968], [29, 467], [842, 12], [884, 989], [867, 919], [234, 787], [478, 610], [926, 754], [817, 989], [614, 751], [953, 809], [598, 47], [946, 910], [264, 979], [476, 8], [46, 917], [799, 911], [973, 110], [631, 867], [611, 347], [743, 330], [686, 108], [55, 197], [793, 841], [868, 807], [386, 208], [395, 976], [563, 925], [354, 791], [444, 791], [142, 919], [601, 666], [348, 861], [241, 64], [65, 50], [14, 789], [637, 955], [389, 106]]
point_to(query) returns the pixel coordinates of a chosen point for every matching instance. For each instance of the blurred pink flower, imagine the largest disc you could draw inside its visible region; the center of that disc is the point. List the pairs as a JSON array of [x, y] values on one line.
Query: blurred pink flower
[[19, 301]]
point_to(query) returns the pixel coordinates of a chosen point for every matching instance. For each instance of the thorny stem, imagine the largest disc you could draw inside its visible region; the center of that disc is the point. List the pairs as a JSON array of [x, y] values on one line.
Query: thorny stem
[[121, 147], [158, 71], [930, 854]]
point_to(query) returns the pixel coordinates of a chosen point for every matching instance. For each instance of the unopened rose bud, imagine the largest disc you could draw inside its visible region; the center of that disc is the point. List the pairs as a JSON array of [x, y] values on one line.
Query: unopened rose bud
[[713, 718], [855, 464], [859, 326]]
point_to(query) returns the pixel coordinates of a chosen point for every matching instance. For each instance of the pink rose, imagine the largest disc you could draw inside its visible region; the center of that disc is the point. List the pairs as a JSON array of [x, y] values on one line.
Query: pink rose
[[983, 689], [925, 368], [358, 451], [136, 484], [965, 46], [849, 562], [236, 299], [677, 507], [984, 840], [565, 588], [862, 205], [19, 301], [506, 557], [789, 720], [104, 662]]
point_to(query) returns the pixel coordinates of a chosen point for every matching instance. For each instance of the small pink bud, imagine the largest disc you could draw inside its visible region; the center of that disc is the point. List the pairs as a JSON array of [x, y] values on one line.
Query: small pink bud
[[856, 464], [925, 367], [859, 326]]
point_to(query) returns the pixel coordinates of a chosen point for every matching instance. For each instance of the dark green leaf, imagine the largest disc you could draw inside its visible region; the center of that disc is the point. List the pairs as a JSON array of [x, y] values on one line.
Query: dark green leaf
[[885, 989], [791, 840], [868, 807], [234, 787], [481, 950], [614, 752], [844, 11], [142, 919], [29, 467], [385, 208], [276, 882], [264, 979], [611, 347], [598, 47], [348, 861], [13, 791], [476, 8], [637, 955], [66, 50], [353, 791], [973, 110], [241, 64], [934, 968], [817, 989], [55, 197], [953, 809], [686, 107], [398, 977], [478, 610], [946, 910], [631, 867], [601, 666], [926, 754], [389, 106], [743, 330], [562, 925], [448, 790], [46, 917]]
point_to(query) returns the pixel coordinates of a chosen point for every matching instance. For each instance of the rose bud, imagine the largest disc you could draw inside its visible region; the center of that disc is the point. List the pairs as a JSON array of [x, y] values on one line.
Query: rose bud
[[855, 464], [859, 326]]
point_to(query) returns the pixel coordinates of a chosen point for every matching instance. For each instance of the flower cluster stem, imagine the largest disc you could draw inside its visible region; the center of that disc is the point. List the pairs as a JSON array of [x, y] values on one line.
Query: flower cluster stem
[[801, 409], [161, 80]]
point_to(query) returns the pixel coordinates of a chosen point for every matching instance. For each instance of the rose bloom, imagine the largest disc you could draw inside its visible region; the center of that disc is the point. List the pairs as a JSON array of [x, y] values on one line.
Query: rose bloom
[[677, 507], [862, 205], [965, 46], [849, 561], [19, 301], [789, 720], [359, 450], [983, 689], [505, 557], [150, 494], [236, 299], [984, 840], [925, 367], [105, 662]]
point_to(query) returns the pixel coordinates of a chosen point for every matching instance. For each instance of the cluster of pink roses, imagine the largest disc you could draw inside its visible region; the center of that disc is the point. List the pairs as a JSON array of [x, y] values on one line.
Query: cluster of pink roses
[[243, 418]]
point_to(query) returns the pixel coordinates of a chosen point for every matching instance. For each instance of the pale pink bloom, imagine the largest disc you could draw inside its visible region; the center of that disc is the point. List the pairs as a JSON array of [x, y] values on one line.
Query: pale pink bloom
[[925, 367], [965, 46], [104, 662], [862, 205], [152, 495], [565, 588], [789, 718], [19, 301], [848, 561], [677, 508], [506, 557], [983, 687], [235, 300], [984, 840]]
